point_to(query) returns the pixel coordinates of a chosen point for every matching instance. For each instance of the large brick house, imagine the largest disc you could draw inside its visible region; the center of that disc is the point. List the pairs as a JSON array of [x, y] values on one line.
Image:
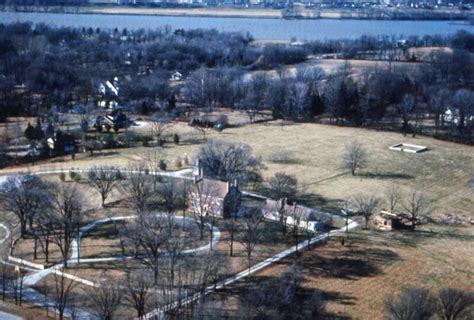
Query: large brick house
[[214, 197]]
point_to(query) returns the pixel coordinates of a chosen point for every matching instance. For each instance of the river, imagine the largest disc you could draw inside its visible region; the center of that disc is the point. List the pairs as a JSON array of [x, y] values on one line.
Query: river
[[265, 29]]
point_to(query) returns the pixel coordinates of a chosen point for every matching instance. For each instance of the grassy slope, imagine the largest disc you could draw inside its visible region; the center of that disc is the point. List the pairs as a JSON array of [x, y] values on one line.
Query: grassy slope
[[357, 278], [315, 150]]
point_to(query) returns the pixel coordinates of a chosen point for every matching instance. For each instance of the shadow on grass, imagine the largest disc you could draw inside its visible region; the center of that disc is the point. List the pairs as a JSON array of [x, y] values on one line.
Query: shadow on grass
[[419, 237], [98, 154], [261, 294], [349, 264], [282, 123], [385, 175], [316, 201], [288, 161]]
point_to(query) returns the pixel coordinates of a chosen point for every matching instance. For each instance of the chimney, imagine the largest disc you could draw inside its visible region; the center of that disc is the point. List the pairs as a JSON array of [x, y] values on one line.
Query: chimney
[[282, 203], [200, 173], [236, 184]]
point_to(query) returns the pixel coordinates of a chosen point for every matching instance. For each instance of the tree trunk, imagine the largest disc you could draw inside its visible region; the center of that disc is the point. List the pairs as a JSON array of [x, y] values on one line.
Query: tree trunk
[[212, 234], [46, 251], [201, 228], [35, 248], [232, 239], [155, 275], [23, 228]]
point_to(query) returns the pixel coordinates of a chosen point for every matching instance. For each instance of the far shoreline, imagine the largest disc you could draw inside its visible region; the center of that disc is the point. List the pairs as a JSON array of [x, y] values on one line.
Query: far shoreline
[[229, 12]]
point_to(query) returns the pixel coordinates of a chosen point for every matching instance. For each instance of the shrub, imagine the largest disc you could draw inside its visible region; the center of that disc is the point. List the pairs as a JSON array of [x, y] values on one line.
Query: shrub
[[77, 177], [186, 160], [146, 140], [175, 138], [110, 142], [62, 176], [119, 175], [222, 122], [162, 164], [178, 162]]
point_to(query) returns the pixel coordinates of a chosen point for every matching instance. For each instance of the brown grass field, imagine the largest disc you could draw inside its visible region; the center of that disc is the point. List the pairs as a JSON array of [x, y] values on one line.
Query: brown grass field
[[313, 156], [355, 278]]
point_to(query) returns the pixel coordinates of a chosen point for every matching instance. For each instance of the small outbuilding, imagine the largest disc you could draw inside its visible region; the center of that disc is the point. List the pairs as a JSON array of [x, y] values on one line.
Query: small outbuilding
[[386, 221]]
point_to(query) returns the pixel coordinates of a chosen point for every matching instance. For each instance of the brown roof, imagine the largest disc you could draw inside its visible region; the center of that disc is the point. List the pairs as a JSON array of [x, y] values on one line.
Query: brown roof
[[214, 187]]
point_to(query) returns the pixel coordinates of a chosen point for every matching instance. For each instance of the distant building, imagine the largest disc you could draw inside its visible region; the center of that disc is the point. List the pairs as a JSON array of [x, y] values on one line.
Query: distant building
[[115, 120], [109, 92], [176, 76], [453, 116], [61, 143]]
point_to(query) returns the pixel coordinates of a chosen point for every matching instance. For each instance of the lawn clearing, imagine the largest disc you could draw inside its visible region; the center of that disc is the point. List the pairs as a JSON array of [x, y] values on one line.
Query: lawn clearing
[[314, 153], [356, 278]]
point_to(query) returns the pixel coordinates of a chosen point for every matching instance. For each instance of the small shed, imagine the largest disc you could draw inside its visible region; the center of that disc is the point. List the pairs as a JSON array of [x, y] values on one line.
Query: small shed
[[386, 220]]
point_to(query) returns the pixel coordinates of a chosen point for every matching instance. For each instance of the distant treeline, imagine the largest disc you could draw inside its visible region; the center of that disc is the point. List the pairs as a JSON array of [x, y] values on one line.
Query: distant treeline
[[44, 69], [378, 13]]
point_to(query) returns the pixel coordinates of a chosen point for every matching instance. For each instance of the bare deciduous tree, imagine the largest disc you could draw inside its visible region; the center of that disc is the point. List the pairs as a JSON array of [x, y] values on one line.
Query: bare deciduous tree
[[105, 298], [412, 304], [175, 244], [171, 195], [63, 293], [138, 288], [138, 188], [24, 196], [17, 282], [104, 179], [153, 158], [91, 146], [145, 237], [282, 185], [229, 161], [184, 188], [296, 215], [393, 197], [366, 206], [354, 157], [455, 304], [160, 123], [405, 108], [202, 197], [252, 232], [231, 225], [463, 100], [66, 217], [415, 206]]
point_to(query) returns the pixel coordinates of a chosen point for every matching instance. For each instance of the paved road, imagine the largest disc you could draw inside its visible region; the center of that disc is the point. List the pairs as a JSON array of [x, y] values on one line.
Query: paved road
[[8, 316]]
